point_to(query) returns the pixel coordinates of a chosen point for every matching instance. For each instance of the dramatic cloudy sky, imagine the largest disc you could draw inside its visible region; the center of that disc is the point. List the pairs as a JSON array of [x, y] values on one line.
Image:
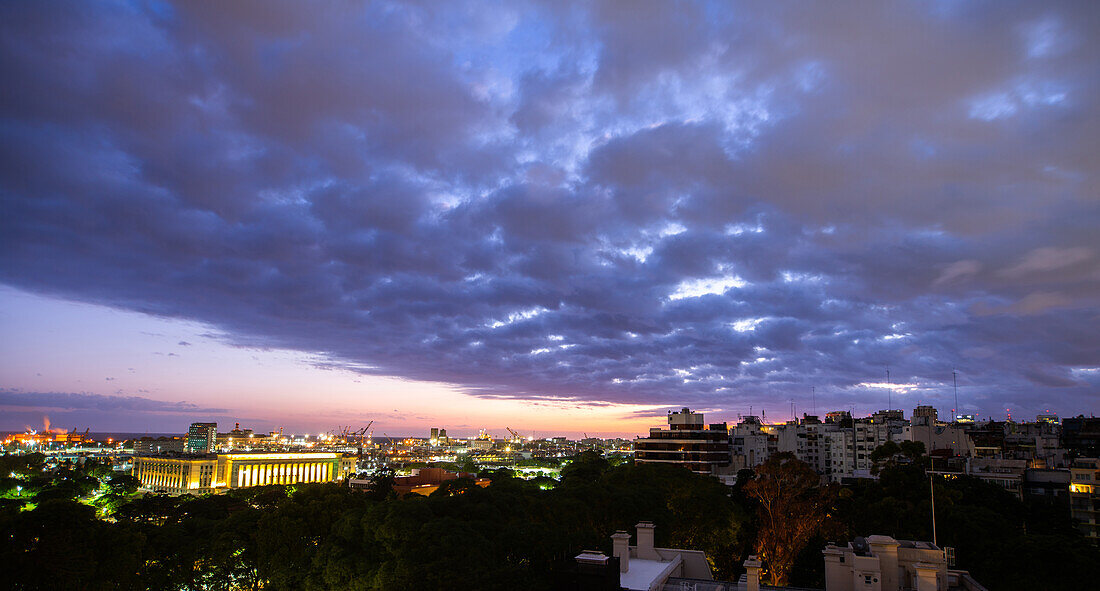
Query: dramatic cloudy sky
[[552, 216]]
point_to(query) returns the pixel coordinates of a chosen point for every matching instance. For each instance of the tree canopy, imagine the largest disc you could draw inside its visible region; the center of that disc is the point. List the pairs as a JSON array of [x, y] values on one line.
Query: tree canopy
[[513, 534], [793, 507]]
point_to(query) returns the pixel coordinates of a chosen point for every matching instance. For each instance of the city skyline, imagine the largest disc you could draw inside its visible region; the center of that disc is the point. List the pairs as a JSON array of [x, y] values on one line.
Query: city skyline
[[558, 219]]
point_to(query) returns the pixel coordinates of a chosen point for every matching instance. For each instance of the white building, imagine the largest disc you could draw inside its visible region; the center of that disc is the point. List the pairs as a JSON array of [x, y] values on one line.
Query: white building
[[749, 443], [934, 434], [645, 567], [881, 563]]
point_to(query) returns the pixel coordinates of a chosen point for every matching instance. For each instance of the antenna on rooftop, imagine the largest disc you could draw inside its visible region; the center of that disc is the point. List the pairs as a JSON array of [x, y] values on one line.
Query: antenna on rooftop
[[955, 382], [932, 491], [955, 412], [889, 390], [813, 398]]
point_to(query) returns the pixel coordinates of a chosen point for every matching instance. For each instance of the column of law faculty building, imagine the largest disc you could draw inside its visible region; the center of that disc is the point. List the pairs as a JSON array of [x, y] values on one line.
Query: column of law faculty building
[[199, 469], [212, 472]]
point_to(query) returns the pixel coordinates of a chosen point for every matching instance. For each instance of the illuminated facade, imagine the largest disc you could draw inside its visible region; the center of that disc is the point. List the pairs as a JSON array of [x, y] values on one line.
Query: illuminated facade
[[1084, 496], [751, 443], [202, 437], [148, 446], [213, 472], [424, 481], [687, 442], [45, 438]]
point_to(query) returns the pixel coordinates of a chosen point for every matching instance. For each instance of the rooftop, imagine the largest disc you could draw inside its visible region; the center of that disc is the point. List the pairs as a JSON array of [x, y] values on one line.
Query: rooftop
[[644, 572]]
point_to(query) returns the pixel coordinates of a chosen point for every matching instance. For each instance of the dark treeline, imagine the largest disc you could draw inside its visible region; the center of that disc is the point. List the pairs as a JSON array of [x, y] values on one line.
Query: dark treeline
[[510, 535]]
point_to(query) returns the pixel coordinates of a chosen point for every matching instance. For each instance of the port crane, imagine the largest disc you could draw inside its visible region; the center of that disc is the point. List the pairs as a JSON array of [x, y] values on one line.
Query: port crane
[[359, 436]]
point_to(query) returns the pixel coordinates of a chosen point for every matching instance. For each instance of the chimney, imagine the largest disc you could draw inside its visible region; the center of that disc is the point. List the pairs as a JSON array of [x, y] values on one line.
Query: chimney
[[620, 543], [752, 574], [645, 541]]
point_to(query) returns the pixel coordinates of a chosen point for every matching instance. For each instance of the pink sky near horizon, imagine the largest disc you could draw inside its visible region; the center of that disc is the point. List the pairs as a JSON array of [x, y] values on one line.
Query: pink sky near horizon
[[59, 346]]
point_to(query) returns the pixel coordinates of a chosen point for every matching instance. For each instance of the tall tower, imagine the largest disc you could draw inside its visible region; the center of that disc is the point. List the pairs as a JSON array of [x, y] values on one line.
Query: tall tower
[[202, 437]]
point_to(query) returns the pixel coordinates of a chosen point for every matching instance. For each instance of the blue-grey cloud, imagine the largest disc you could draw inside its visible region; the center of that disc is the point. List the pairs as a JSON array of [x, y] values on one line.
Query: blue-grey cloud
[[13, 400], [628, 202]]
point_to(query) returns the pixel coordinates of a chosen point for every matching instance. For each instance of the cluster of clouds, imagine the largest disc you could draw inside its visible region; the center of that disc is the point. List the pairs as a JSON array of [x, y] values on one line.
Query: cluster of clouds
[[23, 400], [644, 202]]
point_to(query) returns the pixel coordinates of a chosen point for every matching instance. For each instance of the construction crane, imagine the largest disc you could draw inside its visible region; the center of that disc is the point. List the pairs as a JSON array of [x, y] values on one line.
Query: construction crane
[[516, 437], [358, 435]]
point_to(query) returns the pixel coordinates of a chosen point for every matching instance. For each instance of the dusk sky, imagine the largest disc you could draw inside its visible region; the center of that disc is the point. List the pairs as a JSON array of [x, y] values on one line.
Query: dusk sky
[[559, 217]]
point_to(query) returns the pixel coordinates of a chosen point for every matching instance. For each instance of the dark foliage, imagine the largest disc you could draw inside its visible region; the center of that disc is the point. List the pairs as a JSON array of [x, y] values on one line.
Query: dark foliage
[[1004, 543], [513, 534]]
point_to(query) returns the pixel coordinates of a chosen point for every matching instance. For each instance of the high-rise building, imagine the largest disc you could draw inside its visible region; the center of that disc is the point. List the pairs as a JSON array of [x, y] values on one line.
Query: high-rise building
[[886, 416], [157, 445], [1081, 436], [924, 416], [838, 416], [1084, 495], [927, 429], [750, 444], [202, 437], [1047, 417], [687, 442]]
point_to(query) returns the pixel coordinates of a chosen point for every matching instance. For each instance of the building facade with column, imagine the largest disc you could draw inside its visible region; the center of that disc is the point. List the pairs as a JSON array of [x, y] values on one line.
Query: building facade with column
[[204, 473]]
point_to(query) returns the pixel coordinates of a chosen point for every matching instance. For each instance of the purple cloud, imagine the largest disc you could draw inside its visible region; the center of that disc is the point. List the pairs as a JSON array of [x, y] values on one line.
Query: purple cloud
[[694, 206]]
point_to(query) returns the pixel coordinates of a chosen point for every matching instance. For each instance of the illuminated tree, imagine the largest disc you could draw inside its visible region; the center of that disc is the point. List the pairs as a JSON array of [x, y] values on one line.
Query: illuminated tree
[[793, 506]]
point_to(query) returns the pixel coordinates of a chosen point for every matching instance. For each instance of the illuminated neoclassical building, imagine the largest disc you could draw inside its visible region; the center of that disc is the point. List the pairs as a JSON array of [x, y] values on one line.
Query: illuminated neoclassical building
[[212, 472]]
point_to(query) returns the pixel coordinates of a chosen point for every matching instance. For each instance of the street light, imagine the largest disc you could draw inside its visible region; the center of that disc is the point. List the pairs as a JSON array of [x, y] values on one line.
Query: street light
[[932, 488]]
